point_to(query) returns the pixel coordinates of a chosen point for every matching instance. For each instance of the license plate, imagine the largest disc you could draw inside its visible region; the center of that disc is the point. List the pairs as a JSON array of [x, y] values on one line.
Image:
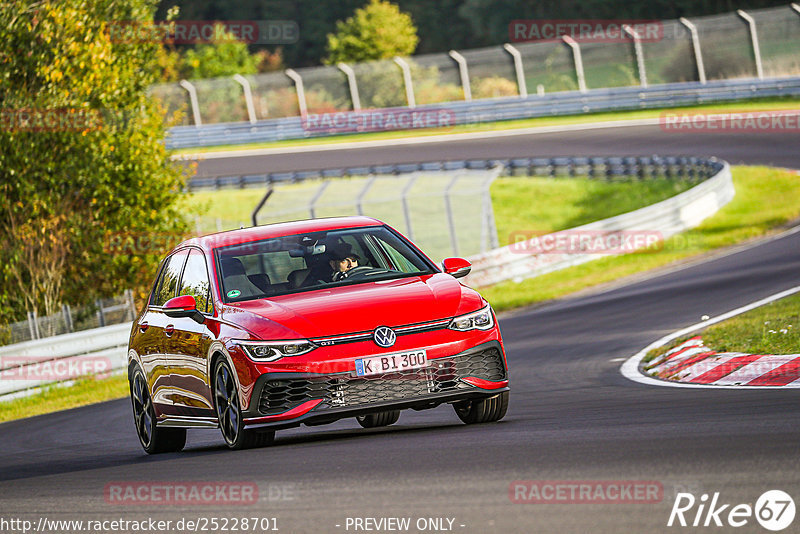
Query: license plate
[[391, 363]]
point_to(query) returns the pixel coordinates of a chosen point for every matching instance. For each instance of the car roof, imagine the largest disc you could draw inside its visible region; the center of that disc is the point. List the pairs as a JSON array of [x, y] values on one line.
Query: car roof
[[269, 231]]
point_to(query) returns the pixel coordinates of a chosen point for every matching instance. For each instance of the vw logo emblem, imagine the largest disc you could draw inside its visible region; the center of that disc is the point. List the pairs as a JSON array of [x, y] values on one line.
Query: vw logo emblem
[[384, 336]]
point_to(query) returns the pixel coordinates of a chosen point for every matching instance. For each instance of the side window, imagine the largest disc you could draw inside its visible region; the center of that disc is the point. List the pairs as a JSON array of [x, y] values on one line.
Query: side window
[[195, 281], [168, 283], [400, 262]]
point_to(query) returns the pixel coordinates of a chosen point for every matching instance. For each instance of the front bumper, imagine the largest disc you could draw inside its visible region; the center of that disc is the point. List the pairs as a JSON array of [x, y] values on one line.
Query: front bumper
[[284, 400]]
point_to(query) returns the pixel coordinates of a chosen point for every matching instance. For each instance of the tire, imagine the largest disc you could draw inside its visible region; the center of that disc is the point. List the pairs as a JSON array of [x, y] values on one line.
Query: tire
[[483, 410], [229, 413], [378, 419], [154, 440]]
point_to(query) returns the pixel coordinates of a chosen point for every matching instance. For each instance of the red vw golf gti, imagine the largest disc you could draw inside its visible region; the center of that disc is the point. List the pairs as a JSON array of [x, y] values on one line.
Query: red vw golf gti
[[308, 322]]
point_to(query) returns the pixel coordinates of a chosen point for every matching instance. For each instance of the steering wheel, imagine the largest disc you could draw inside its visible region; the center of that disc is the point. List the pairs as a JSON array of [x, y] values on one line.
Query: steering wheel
[[358, 272]]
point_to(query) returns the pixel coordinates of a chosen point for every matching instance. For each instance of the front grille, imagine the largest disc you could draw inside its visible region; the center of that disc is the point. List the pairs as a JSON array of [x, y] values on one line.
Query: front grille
[[442, 375], [487, 364]]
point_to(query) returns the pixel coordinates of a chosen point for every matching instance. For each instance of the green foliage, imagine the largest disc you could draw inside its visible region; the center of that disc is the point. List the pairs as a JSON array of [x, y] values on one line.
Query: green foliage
[[99, 171], [442, 25], [377, 31], [493, 87], [222, 56]]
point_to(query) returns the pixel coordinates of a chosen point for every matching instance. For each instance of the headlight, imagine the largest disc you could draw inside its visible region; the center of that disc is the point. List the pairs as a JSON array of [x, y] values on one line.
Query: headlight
[[479, 320], [270, 351]]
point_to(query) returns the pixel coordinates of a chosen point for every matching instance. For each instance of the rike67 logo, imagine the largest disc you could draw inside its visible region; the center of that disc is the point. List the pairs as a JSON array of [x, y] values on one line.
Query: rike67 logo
[[774, 510]]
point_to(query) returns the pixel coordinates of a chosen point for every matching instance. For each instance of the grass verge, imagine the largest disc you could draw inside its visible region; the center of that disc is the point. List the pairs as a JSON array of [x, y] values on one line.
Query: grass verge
[[527, 206], [770, 329], [767, 104], [55, 398], [765, 200]]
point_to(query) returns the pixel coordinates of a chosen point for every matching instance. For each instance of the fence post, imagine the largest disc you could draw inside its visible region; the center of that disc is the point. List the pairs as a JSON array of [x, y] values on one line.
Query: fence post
[[131, 303], [449, 209], [31, 323], [301, 93], [406, 211], [363, 192], [576, 56], [519, 68], [351, 80], [254, 215], [407, 81], [488, 211], [67, 317], [193, 101], [464, 72], [101, 318], [312, 203], [36, 325], [248, 96], [698, 53], [637, 48], [751, 23]]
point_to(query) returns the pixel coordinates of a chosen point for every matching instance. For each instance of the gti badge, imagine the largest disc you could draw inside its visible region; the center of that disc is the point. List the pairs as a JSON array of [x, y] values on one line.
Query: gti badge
[[384, 336]]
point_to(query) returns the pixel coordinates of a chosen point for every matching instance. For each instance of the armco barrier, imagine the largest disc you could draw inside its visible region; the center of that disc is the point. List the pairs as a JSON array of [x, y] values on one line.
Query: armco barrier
[[684, 167], [36, 363], [498, 109], [666, 218]]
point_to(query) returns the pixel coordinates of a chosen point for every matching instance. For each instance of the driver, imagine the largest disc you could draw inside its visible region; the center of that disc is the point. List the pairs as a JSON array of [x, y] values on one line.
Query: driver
[[343, 260]]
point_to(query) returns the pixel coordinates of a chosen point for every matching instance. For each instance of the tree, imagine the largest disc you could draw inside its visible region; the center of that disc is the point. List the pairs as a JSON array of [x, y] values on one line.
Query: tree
[[377, 31], [82, 158], [223, 56]]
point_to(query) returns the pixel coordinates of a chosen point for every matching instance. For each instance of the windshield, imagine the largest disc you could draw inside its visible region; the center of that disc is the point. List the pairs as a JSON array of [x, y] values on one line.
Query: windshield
[[310, 261]]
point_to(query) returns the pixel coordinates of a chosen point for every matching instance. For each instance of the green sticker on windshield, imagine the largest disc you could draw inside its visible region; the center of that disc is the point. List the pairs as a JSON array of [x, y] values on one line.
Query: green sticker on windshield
[[233, 293]]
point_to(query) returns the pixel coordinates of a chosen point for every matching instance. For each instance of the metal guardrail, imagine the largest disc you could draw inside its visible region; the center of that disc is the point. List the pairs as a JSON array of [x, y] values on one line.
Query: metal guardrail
[[499, 109], [66, 357], [685, 167], [526, 259]]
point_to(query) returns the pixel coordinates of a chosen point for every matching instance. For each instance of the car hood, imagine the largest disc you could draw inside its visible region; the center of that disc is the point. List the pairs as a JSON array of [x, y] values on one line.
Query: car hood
[[356, 308]]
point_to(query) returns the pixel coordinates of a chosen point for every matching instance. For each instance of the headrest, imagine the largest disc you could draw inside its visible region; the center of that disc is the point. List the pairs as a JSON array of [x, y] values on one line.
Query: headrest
[[231, 266]]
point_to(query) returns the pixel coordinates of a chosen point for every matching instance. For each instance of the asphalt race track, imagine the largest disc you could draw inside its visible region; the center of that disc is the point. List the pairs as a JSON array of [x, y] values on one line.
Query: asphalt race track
[[761, 148], [573, 417]]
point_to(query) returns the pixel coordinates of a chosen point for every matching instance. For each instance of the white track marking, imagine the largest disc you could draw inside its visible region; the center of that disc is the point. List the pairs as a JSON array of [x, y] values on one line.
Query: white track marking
[[630, 369]]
